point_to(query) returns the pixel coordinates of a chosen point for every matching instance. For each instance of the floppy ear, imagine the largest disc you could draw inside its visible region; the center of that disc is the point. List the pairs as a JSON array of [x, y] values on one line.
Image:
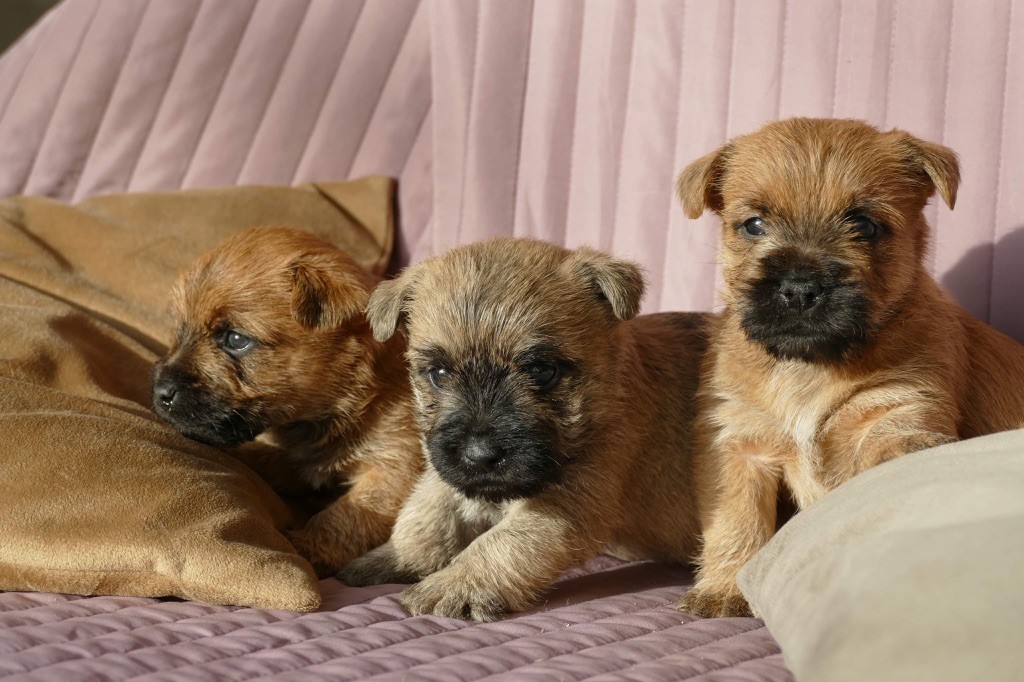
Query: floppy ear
[[325, 293], [938, 162], [618, 282], [698, 186], [387, 303]]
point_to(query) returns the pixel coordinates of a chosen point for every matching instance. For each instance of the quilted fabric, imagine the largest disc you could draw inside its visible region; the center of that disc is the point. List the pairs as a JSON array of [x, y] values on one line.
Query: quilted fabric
[[591, 627]]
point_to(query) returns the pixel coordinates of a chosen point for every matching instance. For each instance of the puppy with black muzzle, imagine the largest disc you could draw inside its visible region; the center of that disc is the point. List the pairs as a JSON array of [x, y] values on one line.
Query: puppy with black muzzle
[[836, 350], [556, 422], [272, 342]]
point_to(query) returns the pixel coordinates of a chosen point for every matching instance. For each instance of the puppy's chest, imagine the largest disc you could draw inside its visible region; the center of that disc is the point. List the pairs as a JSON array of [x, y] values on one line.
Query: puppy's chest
[[783, 412], [799, 413], [479, 516], [320, 462]]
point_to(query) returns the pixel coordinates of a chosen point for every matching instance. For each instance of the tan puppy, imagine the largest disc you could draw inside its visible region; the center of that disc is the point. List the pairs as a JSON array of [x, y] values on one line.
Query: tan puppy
[[836, 350], [556, 423], [272, 340]]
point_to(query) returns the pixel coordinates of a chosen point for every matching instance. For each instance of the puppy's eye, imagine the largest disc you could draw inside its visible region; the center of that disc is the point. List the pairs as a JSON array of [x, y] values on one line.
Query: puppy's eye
[[544, 374], [237, 344], [752, 228], [438, 376], [865, 228]]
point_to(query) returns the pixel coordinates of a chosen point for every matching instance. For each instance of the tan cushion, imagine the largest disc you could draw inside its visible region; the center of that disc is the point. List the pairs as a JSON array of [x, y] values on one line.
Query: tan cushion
[[911, 571], [97, 495]]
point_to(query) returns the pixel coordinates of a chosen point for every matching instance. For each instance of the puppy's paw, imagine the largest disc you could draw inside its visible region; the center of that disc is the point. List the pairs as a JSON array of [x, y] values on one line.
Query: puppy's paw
[[925, 440], [449, 593], [377, 567], [315, 549], [706, 603]]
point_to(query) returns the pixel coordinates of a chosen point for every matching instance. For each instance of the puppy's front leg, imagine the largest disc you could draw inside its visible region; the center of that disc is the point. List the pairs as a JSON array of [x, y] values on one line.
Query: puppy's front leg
[[355, 523], [506, 568], [738, 518], [877, 426], [273, 465], [427, 535]]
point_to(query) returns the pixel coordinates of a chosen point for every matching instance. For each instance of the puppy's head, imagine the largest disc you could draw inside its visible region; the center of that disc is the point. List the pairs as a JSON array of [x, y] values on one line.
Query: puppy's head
[[511, 345], [823, 232], [270, 331]]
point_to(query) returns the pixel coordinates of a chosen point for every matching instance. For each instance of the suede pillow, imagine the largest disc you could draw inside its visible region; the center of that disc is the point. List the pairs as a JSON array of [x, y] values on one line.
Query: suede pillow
[[97, 495], [910, 571]]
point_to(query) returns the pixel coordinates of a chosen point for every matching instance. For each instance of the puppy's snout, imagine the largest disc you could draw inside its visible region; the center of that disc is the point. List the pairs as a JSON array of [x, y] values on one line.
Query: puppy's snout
[[801, 294], [168, 382], [164, 392], [482, 453]]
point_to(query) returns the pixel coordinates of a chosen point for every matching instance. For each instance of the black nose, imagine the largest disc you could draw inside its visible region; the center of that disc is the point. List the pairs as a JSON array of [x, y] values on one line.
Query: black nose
[[164, 393], [480, 452], [801, 295]]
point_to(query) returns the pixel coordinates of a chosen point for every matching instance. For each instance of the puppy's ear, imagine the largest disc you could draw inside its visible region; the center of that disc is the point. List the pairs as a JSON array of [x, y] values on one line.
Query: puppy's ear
[[936, 161], [699, 185], [324, 292], [618, 282], [387, 303]]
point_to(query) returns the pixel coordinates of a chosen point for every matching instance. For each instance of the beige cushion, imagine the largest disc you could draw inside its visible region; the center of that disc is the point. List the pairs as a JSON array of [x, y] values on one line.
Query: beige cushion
[[913, 570], [97, 495]]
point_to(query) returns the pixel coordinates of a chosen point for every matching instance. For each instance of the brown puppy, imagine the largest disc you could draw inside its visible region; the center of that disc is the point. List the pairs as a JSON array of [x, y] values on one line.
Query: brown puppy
[[836, 350], [272, 340], [556, 423]]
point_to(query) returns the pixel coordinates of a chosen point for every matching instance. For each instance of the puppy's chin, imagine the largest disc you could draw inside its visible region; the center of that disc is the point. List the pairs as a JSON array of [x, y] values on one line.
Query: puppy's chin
[[211, 422], [830, 334], [229, 431], [494, 486]]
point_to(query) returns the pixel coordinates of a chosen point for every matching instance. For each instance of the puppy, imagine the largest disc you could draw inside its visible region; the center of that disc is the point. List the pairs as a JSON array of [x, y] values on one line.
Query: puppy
[[556, 422], [272, 340], [836, 350]]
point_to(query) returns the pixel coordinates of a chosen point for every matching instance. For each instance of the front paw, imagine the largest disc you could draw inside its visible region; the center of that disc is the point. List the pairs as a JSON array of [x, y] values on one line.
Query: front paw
[[707, 603], [376, 567], [923, 441], [315, 549], [451, 594]]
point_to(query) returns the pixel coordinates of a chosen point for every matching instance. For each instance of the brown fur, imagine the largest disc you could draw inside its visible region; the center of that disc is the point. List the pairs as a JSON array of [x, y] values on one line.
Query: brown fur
[[624, 423], [335, 402], [926, 374]]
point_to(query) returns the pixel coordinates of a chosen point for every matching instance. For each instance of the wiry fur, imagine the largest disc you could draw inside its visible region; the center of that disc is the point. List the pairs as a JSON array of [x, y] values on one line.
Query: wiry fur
[[332, 404], [601, 459], [904, 369]]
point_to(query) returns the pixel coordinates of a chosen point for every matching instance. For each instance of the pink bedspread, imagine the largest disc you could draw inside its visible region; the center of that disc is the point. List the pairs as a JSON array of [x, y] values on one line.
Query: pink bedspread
[[617, 621]]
